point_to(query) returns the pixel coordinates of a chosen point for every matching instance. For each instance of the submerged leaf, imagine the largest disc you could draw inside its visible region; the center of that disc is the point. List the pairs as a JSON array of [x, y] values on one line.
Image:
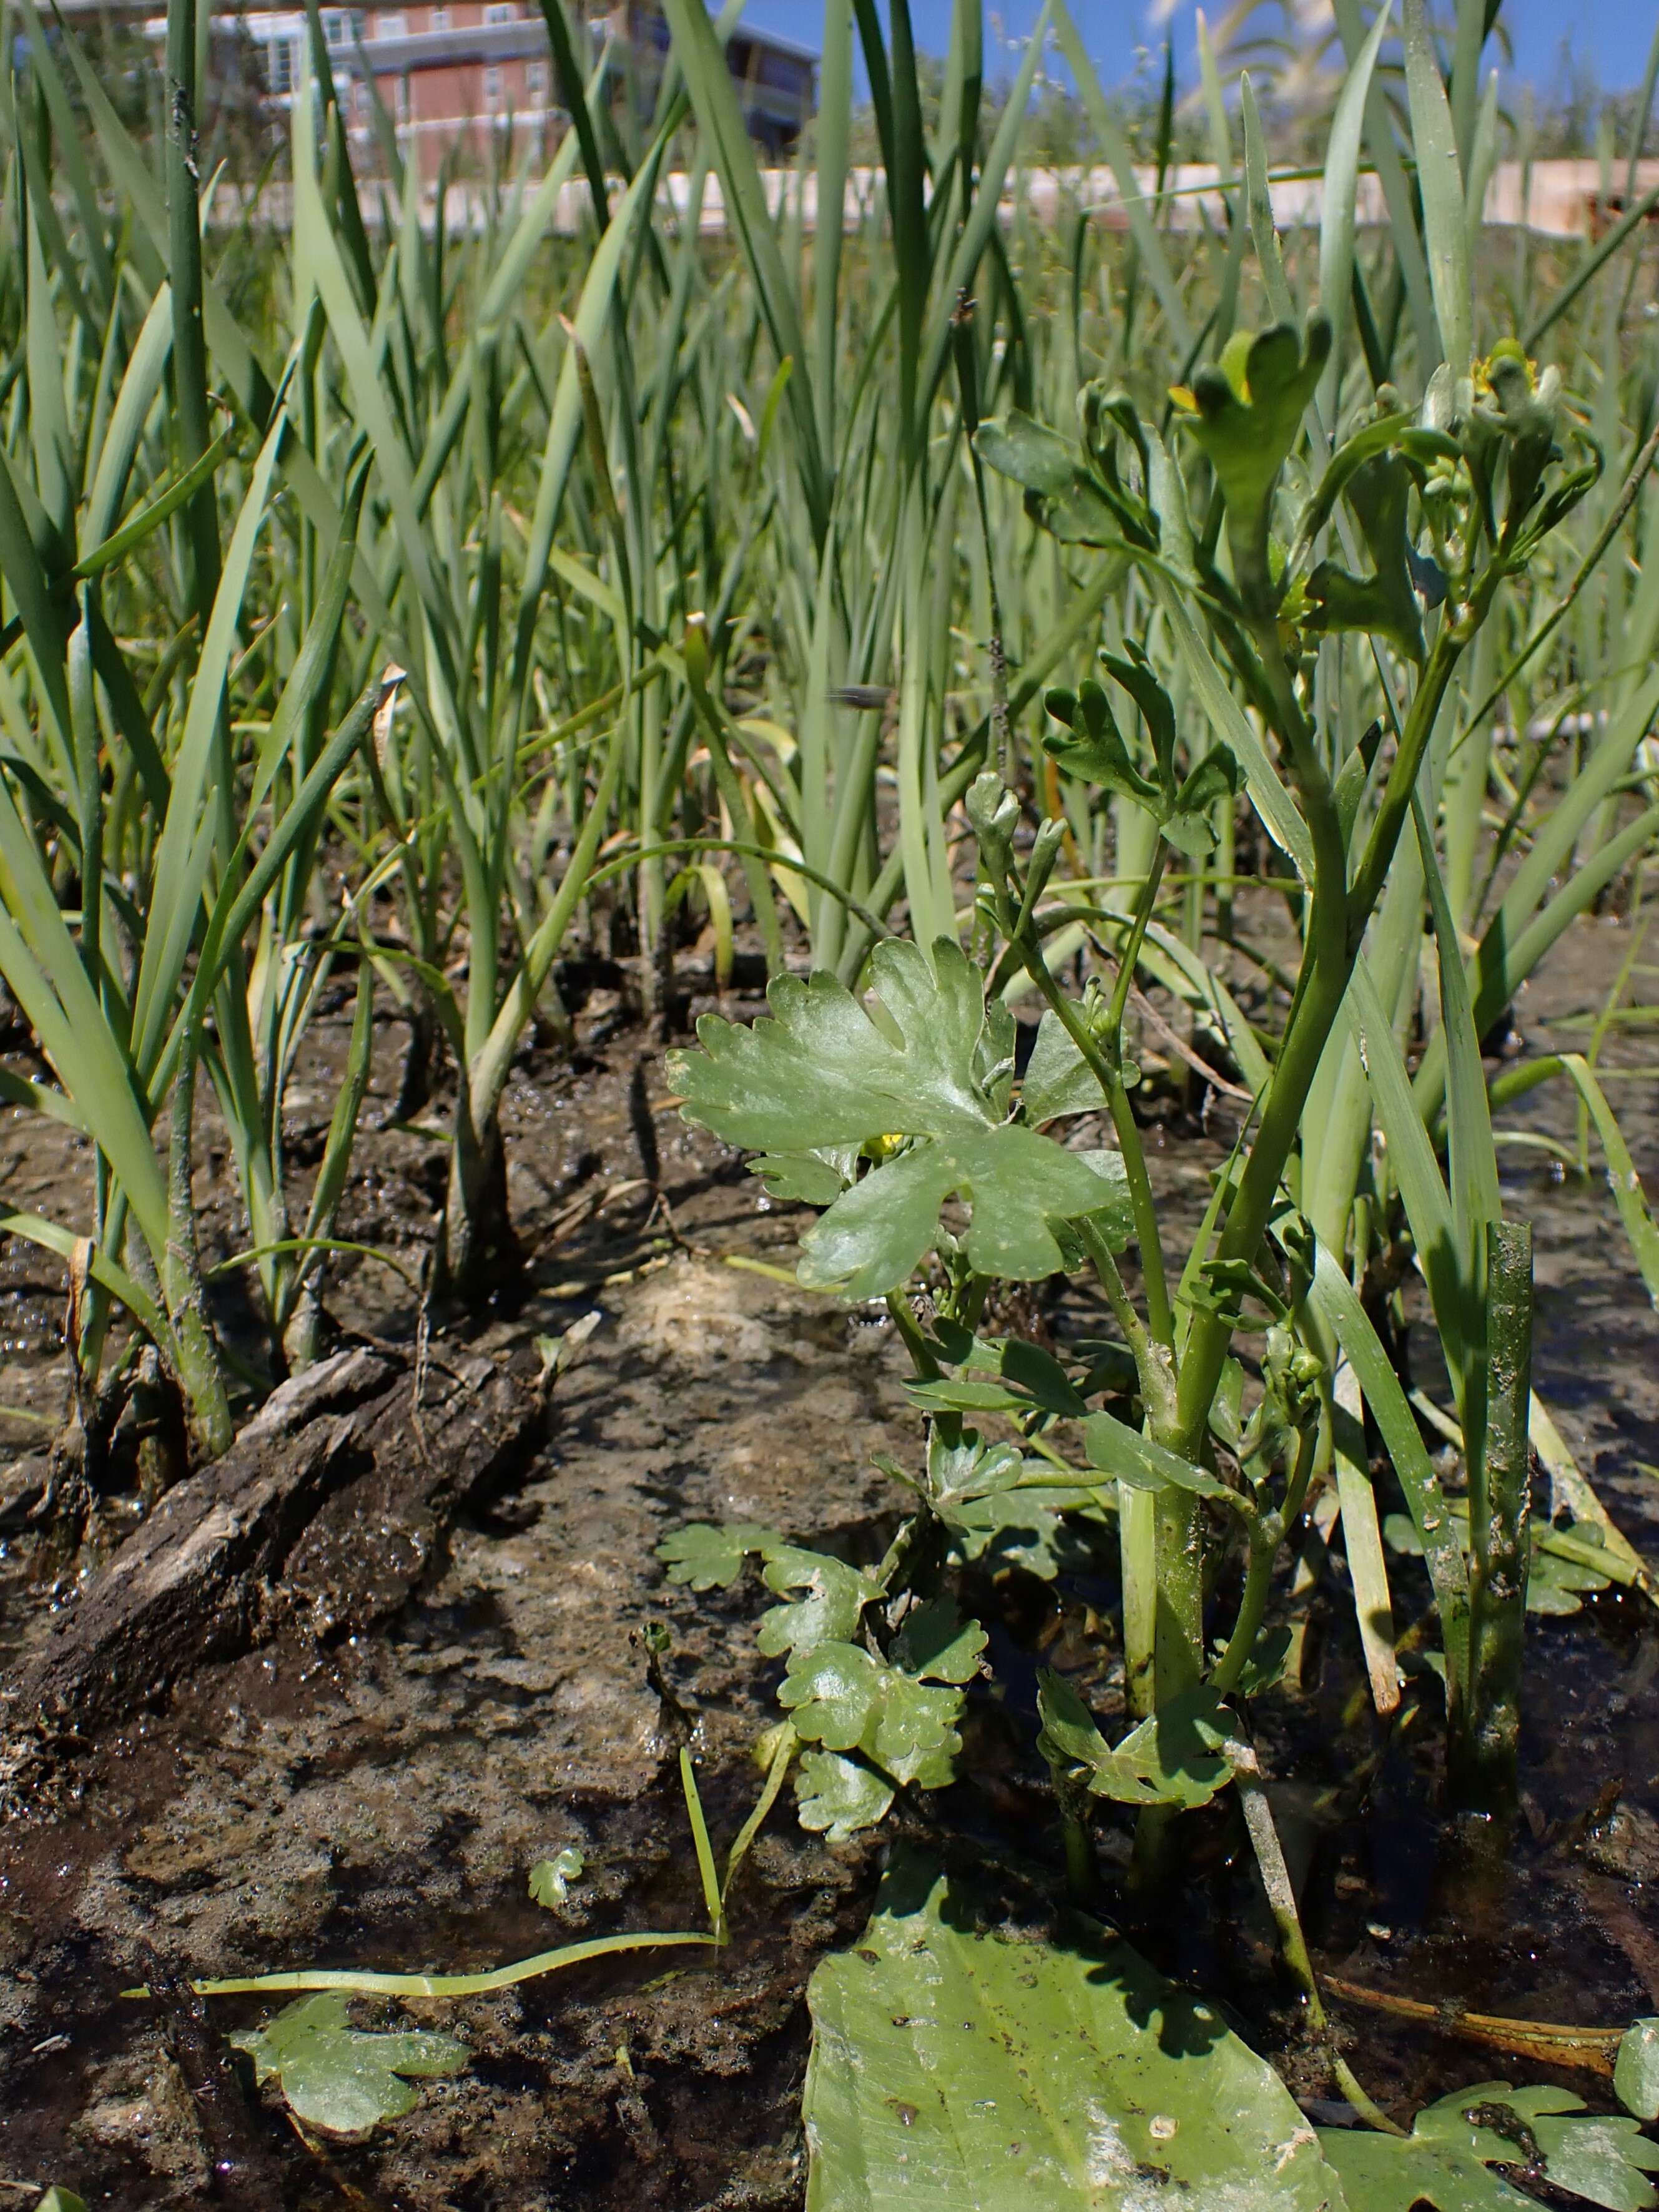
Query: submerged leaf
[[957, 2072], [824, 1072], [337, 2078], [1038, 1528]]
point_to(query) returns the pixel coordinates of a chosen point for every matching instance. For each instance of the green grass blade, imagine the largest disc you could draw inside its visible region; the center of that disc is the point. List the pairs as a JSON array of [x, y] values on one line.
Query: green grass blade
[[1119, 155], [1440, 180], [444, 1986], [1258, 199], [107, 1274], [714, 100], [182, 853], [1337, 1304], [1337, 209], [1622, 1180]]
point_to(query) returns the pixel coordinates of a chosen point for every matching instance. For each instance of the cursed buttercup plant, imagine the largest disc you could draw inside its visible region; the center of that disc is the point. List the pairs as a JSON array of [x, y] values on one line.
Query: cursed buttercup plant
[[901, 1115]]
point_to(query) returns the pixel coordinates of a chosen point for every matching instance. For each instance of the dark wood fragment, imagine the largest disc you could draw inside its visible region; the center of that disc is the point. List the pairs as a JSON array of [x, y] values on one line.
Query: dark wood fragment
[[324, 1514]]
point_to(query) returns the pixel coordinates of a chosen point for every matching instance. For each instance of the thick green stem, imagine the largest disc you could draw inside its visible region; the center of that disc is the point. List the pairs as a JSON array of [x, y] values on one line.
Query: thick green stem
[[1484, 1759], [211, 1429], [1321, 988]]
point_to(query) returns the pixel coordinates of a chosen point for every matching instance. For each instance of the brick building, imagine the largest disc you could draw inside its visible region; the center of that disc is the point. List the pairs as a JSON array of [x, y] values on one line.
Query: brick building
[[477, 76]]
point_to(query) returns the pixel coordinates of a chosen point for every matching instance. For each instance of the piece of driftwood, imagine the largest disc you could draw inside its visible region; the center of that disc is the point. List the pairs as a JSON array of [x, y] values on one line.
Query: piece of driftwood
[[322, 1515]]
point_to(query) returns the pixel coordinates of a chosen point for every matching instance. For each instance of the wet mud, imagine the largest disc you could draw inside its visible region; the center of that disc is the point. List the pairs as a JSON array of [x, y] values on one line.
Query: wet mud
[[376, 1798]]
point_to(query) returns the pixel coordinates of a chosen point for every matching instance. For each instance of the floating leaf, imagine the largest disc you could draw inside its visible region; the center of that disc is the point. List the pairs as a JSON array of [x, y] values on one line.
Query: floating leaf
[[337, 2078], [1447, 2160], [836, 1595], [837, 1797], [842, 1696], [1174, 1758], [550, 1879], [956, 2072], [709, 1555], [60, 2200], [822, 1072]]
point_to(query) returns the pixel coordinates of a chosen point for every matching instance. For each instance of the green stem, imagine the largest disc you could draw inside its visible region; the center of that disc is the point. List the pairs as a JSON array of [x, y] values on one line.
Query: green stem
[[927, 1367], [1159, 1312], [1485, 1760], [1267, 1534], [199, 1372]]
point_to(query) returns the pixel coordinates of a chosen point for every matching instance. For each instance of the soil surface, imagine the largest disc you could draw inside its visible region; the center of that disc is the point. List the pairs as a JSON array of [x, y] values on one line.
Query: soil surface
[[376, 1799]]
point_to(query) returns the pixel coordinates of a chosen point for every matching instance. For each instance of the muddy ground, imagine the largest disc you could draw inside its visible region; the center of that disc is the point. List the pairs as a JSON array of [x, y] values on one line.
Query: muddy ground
[[378, 1801]]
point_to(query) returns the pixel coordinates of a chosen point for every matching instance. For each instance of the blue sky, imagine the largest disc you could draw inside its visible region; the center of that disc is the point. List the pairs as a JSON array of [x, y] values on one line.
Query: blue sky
[[1613, 35]]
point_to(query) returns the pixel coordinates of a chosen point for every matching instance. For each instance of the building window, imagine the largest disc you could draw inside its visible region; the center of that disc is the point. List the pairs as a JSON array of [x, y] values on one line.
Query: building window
[[500, 11], [492, 87], [438, 19], [536, 80], [403, 102], [282, 65], [391, 27]]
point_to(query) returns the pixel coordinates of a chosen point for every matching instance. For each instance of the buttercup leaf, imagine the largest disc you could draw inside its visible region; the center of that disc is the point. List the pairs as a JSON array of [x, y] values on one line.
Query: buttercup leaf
[[807, 1178], [937, 1645], [1246, 412], [1093, 747], [337, 2078], [1174, 1758], [1061, 493], [1636, 2069], [839, 1695], [1447, 2160], [836, 1597], [1038, 1529], [824, 1072], [963, 1468], [709, 1555], [837, 1797], [1379, 492]]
